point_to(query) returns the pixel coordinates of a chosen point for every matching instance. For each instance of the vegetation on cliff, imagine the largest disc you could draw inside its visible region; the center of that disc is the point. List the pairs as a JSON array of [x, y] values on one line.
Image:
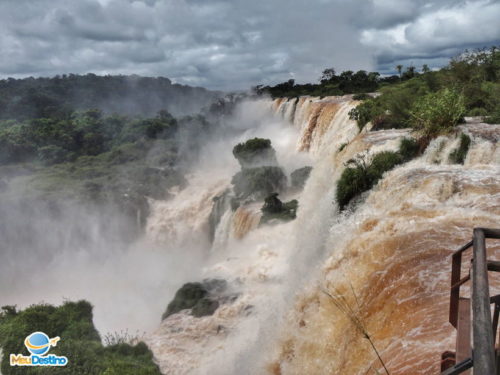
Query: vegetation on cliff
[[59, 96], [255, 152], [362, 173], [275, 209], [436, 101], [80, 342]]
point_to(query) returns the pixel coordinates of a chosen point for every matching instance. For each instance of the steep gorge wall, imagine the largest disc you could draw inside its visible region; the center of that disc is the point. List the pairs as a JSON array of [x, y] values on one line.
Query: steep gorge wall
[[392, 252]]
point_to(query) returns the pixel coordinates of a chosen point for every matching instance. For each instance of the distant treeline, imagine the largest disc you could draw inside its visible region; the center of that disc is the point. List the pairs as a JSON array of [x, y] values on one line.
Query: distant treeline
[[471, 80], [131, 95], [330, 83]]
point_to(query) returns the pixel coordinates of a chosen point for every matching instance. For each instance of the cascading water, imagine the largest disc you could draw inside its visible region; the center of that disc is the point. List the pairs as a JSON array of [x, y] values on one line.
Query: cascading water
[[392, 253]]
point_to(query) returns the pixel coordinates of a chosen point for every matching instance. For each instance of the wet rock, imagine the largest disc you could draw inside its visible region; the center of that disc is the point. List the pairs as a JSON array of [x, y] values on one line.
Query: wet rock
[[275, 209], [255, 152], [202, 298], [299, 177], [258, 183], [222, 203]]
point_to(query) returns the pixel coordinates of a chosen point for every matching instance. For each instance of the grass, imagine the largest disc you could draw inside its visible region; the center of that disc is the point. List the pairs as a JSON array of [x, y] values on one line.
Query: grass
[[345, 308]]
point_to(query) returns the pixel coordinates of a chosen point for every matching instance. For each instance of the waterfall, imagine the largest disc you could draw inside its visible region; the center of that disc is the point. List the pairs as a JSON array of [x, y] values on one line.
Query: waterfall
[[389, 258]]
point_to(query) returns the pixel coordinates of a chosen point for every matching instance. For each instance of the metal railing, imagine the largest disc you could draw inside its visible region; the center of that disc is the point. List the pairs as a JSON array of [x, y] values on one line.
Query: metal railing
[[482, 356]]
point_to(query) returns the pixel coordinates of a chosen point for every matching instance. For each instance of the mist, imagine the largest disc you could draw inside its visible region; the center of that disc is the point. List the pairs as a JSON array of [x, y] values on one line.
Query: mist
[[54, 251]]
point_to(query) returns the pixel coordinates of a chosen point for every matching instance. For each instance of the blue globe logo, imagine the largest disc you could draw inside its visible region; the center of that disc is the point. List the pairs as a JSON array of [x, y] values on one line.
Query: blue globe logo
[[38, 343]]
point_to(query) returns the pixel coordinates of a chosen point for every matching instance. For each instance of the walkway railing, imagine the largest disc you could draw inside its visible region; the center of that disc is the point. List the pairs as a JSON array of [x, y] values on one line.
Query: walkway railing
[[481, 356]]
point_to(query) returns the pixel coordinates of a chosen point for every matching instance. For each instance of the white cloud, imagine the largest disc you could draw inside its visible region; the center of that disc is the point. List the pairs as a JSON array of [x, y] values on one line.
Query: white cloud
[[235, 44], [437, 32]]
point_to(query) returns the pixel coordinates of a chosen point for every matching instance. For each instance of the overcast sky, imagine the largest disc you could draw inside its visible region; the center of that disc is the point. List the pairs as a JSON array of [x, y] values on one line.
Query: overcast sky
[[234, 44]]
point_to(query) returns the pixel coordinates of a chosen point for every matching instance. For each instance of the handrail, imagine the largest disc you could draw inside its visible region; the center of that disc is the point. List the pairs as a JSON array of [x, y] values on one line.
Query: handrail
[[484, 351], [483, 328]]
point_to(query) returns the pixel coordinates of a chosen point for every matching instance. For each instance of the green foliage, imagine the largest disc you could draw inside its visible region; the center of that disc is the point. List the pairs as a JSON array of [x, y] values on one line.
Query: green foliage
[[360, 176], [347, 82], [458, 155], [275, 209], [365, 112], [354, 180], [417, 100], [361, 96], [438, 112], [409, 148], [80, 342], [342, 146], [258, 183], [52, 141], [299, 177], [59, 96], [254, 152]]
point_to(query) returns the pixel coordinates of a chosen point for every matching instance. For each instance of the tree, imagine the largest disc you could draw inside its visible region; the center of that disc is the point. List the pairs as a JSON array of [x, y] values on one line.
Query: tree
[[399, 68], [327, 75], [425, 69], [437, 112]]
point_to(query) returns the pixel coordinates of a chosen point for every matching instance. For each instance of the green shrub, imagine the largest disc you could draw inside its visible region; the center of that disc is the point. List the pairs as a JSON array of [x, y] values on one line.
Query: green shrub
[[361, 96], [52, 154], [359, 176], [80, 342], [255, 152], [275, 209], [258, 183], [342, 146], [365, 112], [382, 162], [458, 155], [408, 148], [478, 112], [354, 180], [438, 112]]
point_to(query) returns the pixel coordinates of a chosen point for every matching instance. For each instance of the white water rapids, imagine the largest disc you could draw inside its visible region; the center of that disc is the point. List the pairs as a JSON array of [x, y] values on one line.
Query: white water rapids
[[393, 251]]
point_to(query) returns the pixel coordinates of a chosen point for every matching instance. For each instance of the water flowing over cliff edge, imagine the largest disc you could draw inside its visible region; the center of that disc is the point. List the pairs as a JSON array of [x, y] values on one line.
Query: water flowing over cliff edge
[[391, 252]]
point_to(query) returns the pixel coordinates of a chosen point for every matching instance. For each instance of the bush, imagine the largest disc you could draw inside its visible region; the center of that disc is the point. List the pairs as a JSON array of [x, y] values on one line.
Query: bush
[[361, 96], [275, 209], [438, 112], [409, 148], [458, 155], [359, 176], [258, 183], [255, 152], [49, 155], [365, 112], [80, 342]]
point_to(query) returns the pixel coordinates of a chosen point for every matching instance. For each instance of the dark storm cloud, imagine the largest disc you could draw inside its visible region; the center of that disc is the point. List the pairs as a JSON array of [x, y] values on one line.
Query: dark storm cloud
[[232, 44]]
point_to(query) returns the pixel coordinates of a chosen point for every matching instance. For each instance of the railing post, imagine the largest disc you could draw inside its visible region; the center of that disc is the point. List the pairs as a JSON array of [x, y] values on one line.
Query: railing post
[[484, 353]]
